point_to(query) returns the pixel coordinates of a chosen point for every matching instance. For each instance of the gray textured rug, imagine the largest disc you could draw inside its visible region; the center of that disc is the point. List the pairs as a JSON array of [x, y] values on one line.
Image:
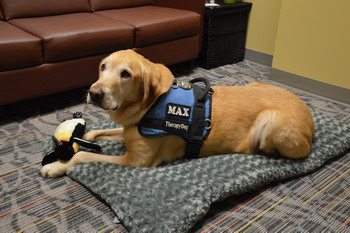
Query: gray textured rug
[[172, 198]]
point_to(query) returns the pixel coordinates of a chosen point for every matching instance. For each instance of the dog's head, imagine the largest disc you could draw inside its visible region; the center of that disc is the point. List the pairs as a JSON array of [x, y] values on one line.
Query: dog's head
[[128, 83]]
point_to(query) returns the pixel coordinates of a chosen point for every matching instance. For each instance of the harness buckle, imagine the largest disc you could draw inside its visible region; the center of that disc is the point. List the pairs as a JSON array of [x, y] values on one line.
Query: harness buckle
[[210, 124], [175, 85]]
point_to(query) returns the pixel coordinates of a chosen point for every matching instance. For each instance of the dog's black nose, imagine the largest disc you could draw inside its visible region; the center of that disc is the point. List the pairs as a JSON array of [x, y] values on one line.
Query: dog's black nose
[[96, 95]]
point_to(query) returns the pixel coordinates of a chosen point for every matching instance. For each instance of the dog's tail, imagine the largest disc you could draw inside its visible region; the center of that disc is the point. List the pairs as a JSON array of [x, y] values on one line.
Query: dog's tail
[[273, 130]]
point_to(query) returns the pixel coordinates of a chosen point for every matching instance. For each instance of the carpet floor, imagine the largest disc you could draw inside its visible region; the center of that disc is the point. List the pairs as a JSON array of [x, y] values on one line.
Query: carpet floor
[[31, 203]]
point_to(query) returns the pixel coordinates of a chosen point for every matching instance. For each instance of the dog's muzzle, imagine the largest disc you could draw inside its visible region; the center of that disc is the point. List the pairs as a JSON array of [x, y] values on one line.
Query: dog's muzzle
[[96, 96]]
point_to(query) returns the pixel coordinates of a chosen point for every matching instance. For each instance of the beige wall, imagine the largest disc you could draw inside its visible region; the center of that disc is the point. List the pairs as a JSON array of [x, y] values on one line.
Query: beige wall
[[308, 38], [263, 24], [313, 40]]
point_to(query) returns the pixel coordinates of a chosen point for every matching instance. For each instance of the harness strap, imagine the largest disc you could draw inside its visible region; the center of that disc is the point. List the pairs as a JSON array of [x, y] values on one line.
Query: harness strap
[[195, 140]]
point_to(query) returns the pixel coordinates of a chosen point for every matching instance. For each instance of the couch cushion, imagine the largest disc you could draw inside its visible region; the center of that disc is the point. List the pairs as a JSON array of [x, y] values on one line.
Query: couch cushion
[[97, 5], [156, 24], [77, 35], [18, 49], [34, 8]]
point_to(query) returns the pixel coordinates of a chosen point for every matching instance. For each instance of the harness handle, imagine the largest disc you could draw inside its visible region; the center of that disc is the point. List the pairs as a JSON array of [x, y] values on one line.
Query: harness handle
[[207, 88]]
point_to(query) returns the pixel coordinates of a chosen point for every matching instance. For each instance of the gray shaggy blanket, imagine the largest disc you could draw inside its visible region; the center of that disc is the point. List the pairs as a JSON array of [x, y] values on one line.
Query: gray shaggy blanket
[[173, 197]]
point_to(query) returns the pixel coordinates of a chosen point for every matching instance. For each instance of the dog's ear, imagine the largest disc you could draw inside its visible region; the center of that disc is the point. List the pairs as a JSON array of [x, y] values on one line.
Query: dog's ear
[[157, 79], [146, 86], [165, 78]]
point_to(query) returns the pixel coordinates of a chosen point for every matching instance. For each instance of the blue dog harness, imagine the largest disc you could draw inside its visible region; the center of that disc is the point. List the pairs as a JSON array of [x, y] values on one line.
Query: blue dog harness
[[185, 111]]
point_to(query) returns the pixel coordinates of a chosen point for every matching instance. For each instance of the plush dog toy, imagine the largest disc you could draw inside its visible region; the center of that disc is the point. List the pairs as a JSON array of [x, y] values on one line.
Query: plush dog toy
[[67, 138]]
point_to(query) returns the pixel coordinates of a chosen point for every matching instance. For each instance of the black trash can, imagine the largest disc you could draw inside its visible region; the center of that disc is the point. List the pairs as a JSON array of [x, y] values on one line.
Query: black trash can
[[224, 38]]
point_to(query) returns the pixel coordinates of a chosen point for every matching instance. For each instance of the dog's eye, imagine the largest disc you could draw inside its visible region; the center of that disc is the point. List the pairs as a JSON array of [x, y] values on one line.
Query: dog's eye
[[125, 74], [103, 67]]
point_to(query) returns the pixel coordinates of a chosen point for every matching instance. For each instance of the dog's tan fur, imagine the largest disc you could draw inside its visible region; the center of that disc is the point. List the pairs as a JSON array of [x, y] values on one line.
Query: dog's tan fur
[[244, 119]]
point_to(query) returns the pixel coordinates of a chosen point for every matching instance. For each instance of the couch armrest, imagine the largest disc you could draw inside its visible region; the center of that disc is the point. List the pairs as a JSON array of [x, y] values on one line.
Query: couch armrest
[[192, 5]]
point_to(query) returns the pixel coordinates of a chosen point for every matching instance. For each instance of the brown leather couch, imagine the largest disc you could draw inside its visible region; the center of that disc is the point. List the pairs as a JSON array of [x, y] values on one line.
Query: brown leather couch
[[47, 46]]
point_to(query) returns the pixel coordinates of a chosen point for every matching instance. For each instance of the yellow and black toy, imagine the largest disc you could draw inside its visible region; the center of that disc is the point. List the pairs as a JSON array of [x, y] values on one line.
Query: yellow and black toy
[[67, 138]]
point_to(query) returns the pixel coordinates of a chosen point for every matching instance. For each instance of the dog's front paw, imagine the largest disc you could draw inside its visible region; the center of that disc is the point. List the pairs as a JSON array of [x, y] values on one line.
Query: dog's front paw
[[91, 136], [53, 169]]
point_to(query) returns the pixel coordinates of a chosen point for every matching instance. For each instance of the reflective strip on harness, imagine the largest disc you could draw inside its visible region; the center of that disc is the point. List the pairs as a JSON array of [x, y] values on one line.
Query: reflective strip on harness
[[183, 111]]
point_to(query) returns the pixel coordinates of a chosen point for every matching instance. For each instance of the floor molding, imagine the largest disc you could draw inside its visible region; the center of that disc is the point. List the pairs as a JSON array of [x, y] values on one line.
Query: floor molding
[[320, 88], [258, 57]]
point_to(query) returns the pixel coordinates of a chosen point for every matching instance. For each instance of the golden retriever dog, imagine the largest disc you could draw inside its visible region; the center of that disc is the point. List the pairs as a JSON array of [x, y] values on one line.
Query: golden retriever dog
[[244, 118]]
